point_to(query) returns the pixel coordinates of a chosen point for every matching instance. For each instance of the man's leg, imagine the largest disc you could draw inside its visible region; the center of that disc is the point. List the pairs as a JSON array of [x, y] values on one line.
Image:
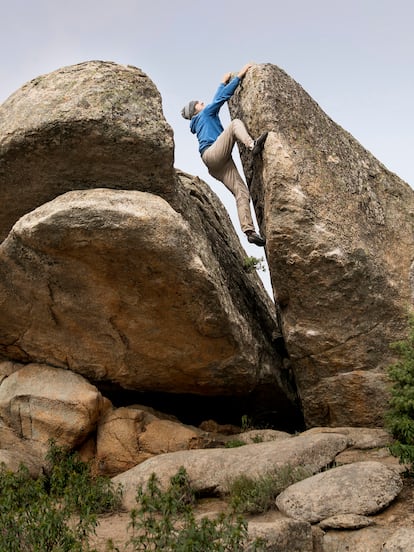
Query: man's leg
[[221, 166], [221, 150], [229, 175]]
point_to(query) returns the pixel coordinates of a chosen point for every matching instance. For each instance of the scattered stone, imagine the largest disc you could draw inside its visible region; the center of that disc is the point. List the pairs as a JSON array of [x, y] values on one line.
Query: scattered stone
[[283, 535], [362, 488], [346, 521]]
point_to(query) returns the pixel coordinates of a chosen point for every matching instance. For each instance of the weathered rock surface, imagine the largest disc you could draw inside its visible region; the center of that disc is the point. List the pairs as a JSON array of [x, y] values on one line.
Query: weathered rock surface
[[128, 436], [136, 281], [370, 539], [40, 403], [211, 470], [92, 125], [401, 541], [146, 291], [261, 436], [361, 488], [340, 245], [13, 460], [114, 285], [358, 437], [283, 535]]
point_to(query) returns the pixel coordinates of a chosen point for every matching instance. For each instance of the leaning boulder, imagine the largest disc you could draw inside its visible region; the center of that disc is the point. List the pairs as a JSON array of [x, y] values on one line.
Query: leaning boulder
[[340, 245], [91, 125], [40, 403]]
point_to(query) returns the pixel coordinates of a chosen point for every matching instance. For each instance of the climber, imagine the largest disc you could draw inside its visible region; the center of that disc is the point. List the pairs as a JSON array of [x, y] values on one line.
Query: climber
[[216, 145]]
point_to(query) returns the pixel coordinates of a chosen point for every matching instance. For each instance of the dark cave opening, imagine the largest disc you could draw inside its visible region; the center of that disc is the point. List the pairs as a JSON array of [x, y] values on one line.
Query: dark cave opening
[[260, 408]]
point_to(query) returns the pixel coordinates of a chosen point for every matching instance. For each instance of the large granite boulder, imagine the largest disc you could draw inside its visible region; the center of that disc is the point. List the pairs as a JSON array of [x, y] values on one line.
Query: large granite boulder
[[144, 286], [92, 125], [340, 244], [116, 286]]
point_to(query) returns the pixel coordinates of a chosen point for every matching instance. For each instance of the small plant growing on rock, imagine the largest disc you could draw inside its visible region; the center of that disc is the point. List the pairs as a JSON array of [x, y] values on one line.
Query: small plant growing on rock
[[400, 417], [246, 423], [253, 263], [234, 443]]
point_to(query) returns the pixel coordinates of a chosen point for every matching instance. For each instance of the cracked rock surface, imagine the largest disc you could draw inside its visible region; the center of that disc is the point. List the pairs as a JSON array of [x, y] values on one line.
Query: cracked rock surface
[[340, 244]]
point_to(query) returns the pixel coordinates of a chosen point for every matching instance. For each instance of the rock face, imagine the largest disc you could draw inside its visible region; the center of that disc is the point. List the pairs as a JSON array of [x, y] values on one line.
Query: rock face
[[91, 125], [340, 244], [113, 285], [143, 287], [116, 271]]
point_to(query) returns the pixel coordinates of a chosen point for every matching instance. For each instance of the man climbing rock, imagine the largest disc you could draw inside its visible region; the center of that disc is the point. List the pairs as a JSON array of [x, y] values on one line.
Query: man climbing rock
[[216, 146]]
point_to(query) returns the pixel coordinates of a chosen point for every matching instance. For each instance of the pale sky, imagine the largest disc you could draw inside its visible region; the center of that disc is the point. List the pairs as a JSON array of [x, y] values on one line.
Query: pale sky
[[354, 57]]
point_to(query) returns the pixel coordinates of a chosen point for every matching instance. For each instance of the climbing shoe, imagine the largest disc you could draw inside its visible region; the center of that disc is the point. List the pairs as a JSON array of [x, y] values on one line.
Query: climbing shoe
[[253, 237], [259, 144]]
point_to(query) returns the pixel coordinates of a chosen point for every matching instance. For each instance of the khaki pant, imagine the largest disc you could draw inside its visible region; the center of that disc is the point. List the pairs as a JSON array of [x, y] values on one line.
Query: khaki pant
[[221, 166]]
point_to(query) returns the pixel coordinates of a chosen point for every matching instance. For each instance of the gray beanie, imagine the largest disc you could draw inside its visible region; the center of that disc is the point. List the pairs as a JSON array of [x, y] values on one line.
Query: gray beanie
[[188, 111]]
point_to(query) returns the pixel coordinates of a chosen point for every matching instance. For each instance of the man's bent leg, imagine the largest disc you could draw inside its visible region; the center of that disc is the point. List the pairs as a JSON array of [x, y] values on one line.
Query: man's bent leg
[[219, 152]]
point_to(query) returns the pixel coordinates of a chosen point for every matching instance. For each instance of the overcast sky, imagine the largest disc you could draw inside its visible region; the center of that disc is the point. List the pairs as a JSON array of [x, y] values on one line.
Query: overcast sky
[[354, 57]]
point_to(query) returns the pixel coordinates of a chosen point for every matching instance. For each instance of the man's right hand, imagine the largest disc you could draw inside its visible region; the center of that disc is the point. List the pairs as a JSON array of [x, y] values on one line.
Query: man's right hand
[[244, 70]]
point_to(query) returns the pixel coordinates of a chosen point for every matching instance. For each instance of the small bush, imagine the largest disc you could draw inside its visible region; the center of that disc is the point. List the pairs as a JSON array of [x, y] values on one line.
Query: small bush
[[166, 521], [257, 495], [56, 512], [234, 443], [70, 479], [400, 417], [253, 263], [246, 423]]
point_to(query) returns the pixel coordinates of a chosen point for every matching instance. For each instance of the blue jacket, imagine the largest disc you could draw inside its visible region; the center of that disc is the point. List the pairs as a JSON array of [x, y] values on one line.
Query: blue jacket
[[206, 125]]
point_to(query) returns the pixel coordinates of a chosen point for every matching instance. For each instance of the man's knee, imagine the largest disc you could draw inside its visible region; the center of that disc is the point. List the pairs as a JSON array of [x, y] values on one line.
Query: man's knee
[[237, 122]]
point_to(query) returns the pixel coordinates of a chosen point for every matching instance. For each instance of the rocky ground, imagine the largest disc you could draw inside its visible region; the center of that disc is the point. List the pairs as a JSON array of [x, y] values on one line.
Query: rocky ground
[[400, 514]]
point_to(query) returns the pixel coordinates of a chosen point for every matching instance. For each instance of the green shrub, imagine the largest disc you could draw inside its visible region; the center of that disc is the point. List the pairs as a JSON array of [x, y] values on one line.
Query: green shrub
[[165, 520], [257, 495], [246, 423], [400, 417], [70, 479], [55, 512], [234, 443], [253, 263]]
